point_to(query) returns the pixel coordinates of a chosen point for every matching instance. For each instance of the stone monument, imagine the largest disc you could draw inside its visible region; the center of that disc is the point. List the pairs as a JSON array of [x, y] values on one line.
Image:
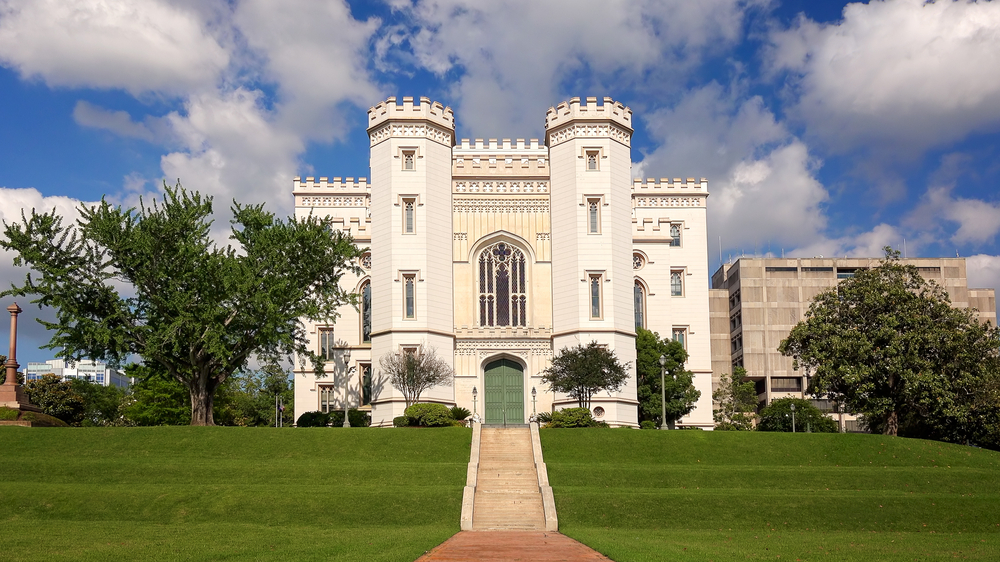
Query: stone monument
[[12, 394]]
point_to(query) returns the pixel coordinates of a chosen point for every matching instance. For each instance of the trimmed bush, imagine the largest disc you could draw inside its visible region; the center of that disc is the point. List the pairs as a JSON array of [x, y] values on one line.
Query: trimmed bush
[[777, 416], [460, 413], [573, 417], [358, 418], [544, 417], [8, 414], [429, 415], [400, 421], [314, 419], [647, 424]]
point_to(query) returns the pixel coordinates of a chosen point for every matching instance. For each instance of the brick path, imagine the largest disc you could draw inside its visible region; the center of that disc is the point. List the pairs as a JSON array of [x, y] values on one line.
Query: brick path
[[497, 546]]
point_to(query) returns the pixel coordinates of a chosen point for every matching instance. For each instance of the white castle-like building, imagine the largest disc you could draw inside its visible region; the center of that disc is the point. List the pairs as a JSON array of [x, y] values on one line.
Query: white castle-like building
[[498, 254]]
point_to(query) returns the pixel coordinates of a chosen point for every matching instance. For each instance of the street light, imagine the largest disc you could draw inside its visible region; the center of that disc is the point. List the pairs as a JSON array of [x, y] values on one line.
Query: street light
[[663, 391], [533, 394], [793, 417], [347, 384], [475, 393]]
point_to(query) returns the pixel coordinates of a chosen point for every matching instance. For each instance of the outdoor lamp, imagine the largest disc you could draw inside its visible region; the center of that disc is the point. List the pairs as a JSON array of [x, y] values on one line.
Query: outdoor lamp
[[475, 393], [793, 417], [663, 391], [347, 385], [533, 394]]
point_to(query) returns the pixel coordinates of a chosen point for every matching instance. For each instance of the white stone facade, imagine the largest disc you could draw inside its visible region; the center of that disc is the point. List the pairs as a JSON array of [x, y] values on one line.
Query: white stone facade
[[499, 253]]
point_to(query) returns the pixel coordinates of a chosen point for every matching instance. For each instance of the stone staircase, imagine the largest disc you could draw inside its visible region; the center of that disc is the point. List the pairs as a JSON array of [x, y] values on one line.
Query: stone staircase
[[507, 493]]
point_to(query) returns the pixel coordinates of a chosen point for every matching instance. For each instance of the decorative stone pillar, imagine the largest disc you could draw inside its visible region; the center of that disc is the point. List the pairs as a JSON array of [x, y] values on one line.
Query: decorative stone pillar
[[12, 394]]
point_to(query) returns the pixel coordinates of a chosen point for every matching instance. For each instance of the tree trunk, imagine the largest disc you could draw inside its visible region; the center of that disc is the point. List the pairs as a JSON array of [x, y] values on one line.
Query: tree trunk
[[202, 403], [892, 424]]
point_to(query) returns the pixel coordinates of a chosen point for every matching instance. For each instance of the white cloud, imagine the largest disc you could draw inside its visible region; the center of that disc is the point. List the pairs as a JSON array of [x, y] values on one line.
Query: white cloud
[[136, 45], [978, 221], [899, 76], [119, 122], [515, 54], [983, 271], [868, 244], [761, 178]]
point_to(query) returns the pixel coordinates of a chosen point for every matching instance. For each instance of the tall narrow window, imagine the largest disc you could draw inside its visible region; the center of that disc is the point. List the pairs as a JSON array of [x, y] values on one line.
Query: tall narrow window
[[326, 343], [595, 296], [676, 283], [326, 398], [640, 306], [366, 383], [675, 235], [366, 312], [409, 296], [408, 163], [592, 160], [680, 335], [594, 216], [503, 299], [409, 220]]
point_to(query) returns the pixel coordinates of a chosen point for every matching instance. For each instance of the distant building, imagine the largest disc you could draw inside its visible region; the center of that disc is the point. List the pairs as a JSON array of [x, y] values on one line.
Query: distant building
[[93, 371], [755, 303]]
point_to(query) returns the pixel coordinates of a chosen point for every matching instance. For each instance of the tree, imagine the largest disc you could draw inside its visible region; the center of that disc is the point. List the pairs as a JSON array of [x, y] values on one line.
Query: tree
[[151, 282], [102, 404], [56, 398], [248, 398], [890, 345], [585, 370], [737, 400], [155, 398], [679, 382], [777, 416], [413, 372]]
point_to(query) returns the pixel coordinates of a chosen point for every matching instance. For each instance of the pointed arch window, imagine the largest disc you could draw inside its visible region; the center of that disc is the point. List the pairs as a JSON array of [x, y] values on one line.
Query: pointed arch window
[[503, 298], [366, 312], [640, 305]]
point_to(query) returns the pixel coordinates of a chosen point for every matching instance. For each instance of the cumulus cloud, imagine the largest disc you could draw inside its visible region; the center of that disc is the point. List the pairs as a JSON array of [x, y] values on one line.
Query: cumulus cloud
[[868, 244], [119, 122], [983, 271], [761, 178], [139, 46], [895, 76], [514, 55]]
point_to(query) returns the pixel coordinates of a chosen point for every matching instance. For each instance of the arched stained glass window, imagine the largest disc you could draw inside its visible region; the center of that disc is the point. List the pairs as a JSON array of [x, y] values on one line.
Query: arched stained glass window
[[503, 299], [366, 312], [640, 305]]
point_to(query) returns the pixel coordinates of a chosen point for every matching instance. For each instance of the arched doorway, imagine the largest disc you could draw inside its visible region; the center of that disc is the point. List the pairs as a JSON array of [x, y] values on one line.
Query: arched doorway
[[504, 392]]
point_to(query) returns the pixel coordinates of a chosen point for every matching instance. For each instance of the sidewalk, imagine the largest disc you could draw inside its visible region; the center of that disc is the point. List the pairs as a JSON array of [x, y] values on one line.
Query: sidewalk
[[497, 546]]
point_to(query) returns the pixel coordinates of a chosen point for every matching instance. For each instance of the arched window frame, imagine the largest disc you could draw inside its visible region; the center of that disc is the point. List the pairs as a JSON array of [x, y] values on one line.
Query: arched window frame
[[365, 311], [489, 278], [640, 292]]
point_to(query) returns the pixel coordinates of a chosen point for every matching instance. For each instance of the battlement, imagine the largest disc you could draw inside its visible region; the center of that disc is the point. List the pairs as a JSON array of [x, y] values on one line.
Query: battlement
[[425, 110], [572, 110], [338, 185], [505, 145], [651, 185]]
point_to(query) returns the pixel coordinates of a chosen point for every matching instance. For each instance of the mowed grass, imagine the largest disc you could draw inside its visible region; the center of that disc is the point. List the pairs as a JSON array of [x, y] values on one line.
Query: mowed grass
[[194, 493], [693, 495]]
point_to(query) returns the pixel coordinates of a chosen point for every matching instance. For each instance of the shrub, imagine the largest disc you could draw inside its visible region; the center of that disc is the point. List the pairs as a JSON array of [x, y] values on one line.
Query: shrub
[[573, 417], [358, 418], [314, 419], [8, 414], [400, 421], [777, 416], [460, 413], [429, 415], [544, 417], [647, 424]]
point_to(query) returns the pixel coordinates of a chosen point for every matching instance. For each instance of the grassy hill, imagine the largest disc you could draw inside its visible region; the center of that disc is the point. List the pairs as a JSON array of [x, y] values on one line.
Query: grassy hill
[[693, 495], [195, 493]]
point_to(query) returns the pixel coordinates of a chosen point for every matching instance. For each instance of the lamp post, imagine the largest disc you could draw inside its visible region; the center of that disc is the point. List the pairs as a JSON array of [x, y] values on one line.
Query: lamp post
[[475, 394], [533, 394], [793, 417], [347, 385], [663, 392]]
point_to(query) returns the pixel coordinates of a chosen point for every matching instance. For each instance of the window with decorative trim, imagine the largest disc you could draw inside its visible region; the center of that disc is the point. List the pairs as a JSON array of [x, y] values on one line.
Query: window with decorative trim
[[675, 235], [409, 296], [593, 160], [594, 215], [677, 283], [409, 215], [365, 372], [680, 336], [327, 344], [639, 294], [596, 306], [503, 292], [409, 160], [638, 261], [366, 312], [327, 397]]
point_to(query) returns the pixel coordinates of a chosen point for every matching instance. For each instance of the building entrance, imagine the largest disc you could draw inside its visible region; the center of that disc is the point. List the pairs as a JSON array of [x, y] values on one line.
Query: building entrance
[[504, 392]]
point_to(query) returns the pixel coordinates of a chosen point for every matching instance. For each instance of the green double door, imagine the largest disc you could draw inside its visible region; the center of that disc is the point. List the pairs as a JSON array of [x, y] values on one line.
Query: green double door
[[504, 392]]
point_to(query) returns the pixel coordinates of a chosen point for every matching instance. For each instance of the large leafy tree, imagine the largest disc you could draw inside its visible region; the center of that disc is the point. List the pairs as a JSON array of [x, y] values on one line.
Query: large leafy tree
[[890, 345], [57, 398], [413, 372], [151, 282], [585, 370], [778, 416], [679, 382], [737, 402]]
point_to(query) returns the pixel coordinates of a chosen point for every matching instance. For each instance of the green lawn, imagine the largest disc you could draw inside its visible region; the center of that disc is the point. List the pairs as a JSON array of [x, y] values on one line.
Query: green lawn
[[188, 493], [694, 495]]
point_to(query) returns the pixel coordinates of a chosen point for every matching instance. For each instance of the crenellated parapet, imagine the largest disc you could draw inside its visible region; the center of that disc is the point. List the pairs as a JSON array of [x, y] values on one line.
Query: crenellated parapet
[[427, 119], [572, 119], [666, 192], [339, 193], [505, 145]]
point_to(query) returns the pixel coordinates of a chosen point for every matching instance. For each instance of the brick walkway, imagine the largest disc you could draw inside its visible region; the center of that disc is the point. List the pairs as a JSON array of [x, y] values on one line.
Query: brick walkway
[[496, 546]]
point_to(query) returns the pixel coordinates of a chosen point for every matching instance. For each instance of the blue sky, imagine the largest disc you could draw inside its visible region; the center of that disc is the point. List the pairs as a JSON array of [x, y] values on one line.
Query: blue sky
[[824, 128]]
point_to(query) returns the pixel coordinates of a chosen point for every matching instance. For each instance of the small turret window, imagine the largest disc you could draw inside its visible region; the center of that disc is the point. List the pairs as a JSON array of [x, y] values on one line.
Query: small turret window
[[592, 160]]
